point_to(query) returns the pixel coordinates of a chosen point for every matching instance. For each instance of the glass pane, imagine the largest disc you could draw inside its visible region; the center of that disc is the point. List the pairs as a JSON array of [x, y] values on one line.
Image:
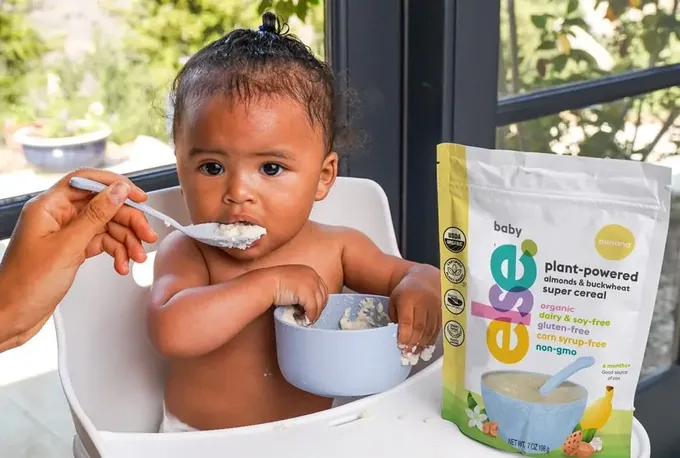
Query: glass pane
[[99, 72], [549, 43], [642, 128]]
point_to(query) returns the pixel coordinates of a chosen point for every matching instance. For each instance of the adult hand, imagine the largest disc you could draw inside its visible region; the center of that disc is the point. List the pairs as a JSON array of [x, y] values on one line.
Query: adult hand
[[56, 232]]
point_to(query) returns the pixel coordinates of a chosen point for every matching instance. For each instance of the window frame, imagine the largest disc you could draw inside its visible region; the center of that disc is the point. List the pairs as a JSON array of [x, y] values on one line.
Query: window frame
[[148, 180], [364, 45], [439, 94], [545, 102], [416, 99], [656, 397]]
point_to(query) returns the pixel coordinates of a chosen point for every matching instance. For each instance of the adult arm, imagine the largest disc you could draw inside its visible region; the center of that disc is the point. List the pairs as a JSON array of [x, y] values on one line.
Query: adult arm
[[56, 232]]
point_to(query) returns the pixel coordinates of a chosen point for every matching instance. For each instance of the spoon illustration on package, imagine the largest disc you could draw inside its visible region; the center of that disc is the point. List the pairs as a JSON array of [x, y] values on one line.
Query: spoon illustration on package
[[556, 380]]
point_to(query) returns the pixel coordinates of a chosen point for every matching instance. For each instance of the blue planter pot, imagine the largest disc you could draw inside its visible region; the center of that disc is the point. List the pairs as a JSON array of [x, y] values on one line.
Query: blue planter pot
[[60, 155]]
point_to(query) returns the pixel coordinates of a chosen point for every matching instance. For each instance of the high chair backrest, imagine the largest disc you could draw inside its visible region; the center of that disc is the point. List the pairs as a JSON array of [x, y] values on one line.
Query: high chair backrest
[[112, 378]]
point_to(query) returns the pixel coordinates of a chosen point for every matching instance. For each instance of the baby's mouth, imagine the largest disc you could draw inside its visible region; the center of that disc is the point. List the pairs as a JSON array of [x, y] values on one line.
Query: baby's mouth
[[239, 222]]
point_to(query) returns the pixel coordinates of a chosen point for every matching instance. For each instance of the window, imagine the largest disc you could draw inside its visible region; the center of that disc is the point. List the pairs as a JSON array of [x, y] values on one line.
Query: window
[[545, 44], [563, 99], [424, 72], [644, 128], [575, 62], [86, 83]]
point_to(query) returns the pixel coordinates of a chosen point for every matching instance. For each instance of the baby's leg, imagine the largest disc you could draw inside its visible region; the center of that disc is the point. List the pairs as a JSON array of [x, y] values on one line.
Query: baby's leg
[[172, 424]]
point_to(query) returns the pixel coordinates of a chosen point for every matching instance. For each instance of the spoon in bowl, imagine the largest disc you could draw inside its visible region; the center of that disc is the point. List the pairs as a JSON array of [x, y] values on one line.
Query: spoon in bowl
[[214, 234], [557, 379]]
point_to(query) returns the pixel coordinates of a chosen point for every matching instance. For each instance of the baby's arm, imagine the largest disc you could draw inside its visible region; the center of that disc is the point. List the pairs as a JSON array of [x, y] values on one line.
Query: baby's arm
[[188, 317], [414, 289]]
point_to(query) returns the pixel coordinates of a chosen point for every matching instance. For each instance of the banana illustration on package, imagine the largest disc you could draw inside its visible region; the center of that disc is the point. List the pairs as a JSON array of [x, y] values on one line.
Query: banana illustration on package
[[596, 415]]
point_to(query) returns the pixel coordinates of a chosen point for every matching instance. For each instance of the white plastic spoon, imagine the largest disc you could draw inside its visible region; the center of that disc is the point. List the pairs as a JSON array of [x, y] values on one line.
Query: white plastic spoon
[[208, 233]]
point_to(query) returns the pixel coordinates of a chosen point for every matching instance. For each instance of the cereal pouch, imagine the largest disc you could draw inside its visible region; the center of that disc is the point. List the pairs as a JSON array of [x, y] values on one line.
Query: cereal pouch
[[550, 264]]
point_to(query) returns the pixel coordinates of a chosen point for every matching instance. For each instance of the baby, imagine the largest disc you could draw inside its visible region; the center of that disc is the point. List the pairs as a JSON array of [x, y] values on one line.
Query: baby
[[254, 131]]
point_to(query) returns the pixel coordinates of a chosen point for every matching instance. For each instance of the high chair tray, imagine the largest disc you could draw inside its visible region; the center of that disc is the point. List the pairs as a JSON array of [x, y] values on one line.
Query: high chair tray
[[403, 422]]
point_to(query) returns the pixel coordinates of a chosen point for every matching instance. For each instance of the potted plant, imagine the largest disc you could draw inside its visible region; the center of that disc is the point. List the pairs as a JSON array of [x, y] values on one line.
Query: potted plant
[[64, 124], [60, 144]]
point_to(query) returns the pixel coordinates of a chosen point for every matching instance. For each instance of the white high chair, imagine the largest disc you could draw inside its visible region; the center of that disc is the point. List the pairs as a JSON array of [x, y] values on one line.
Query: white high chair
[[113, 380]]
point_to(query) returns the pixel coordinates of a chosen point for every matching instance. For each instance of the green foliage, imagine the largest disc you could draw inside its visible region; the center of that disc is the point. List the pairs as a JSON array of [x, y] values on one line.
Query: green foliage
[[551, 52], [162, 32], [133, 76], [287, 8], [101, 87], [20, 52], [130, 80], [309, 11], [133, 105]]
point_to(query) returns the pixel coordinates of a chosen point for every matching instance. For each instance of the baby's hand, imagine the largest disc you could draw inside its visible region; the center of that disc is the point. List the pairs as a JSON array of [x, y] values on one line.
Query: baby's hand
[[415, 305], [300, 285]]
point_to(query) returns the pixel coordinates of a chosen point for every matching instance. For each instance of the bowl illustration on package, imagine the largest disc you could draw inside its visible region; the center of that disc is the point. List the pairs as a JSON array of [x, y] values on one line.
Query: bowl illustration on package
[[528, 421]]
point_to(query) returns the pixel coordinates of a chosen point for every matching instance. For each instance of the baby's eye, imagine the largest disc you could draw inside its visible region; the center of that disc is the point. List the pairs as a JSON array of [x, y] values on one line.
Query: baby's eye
[[272, 169], [212, 168]]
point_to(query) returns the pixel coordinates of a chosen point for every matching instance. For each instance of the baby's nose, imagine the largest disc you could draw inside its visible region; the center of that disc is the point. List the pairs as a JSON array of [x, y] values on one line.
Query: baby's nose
[[238, 190]]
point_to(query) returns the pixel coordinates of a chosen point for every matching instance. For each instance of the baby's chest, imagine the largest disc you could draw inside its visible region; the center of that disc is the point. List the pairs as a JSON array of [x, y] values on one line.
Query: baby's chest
[[328, 265]]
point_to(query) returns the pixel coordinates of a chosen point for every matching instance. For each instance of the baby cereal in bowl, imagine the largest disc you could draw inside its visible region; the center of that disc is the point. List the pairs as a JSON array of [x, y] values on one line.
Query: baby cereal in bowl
[[513, 400]]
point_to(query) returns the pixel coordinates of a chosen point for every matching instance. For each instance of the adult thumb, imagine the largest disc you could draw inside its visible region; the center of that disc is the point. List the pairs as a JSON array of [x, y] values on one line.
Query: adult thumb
[[99, 211]]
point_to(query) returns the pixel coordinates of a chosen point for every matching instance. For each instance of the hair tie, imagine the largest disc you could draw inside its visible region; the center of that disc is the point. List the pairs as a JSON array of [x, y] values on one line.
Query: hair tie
[[261, 28]]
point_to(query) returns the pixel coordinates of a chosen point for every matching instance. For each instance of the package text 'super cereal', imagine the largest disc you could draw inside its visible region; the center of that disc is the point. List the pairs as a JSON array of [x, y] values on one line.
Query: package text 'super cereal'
[[550, 266]]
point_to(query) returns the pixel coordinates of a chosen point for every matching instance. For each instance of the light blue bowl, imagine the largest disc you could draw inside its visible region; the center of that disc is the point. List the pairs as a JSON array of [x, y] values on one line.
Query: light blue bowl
[[522, 424], [329, 362]]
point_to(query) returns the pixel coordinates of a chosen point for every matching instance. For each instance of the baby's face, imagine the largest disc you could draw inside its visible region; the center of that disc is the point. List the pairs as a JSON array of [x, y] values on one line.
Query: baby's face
[[261, 162]]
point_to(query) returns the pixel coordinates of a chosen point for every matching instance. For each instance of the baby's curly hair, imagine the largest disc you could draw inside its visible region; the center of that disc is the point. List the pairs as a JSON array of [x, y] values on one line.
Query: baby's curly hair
[[246, 64]]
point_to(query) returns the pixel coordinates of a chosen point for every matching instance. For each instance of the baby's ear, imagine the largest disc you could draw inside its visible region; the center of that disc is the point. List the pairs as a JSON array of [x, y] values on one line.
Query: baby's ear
[[329, 171]]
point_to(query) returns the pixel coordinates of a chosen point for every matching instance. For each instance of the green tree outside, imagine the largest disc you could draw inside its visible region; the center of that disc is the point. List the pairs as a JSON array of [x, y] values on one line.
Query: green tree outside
[[133, 77], [537, 52]]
